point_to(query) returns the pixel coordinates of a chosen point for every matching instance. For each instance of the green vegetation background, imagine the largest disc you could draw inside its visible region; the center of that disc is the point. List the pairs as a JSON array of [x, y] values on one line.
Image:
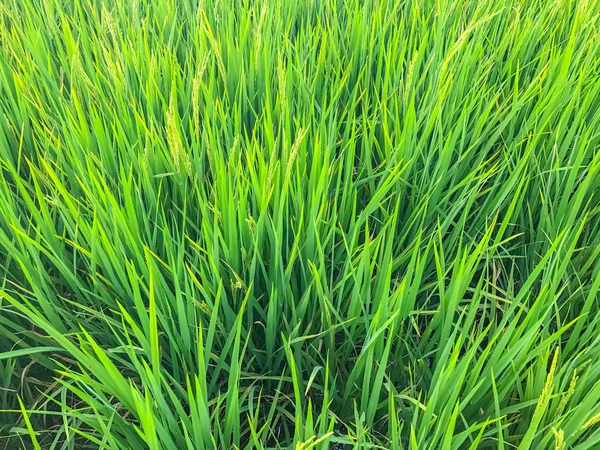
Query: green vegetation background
[[316, 224]]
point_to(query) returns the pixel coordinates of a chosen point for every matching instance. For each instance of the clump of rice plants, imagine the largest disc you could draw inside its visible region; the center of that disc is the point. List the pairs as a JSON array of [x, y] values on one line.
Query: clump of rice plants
[[299, 224]]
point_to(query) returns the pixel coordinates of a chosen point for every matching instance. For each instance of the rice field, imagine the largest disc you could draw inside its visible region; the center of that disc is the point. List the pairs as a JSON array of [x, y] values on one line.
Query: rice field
[[309, 224]]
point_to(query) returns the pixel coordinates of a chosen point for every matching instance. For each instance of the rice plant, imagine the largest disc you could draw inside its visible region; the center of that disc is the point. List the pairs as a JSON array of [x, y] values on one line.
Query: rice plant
[[301, 224]]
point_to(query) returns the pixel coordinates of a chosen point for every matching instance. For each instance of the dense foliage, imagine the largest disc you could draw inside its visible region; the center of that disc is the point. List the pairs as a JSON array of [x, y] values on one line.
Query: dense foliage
[[318, 224]]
